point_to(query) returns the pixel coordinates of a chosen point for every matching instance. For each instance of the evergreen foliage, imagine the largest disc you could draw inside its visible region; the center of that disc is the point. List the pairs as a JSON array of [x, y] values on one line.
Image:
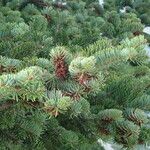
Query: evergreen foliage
[[140, 7], [72, 72], [67, 105], [41, 22]]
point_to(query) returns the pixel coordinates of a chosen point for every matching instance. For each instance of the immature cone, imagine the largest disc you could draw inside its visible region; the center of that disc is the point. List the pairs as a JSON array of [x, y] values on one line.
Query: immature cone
[[59, 57], [61, 68]]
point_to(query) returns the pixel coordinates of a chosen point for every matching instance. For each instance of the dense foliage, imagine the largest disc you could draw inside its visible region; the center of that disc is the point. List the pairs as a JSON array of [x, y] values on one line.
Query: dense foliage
[[34, 30], [72, 73], [140, 7]]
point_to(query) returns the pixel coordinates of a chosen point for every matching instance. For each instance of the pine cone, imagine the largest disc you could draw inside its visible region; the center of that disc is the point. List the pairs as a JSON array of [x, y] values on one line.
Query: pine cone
[[61, 68]]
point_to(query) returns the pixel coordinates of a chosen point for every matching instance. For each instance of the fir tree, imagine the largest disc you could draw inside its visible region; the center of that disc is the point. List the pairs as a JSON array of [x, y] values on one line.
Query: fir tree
[[86, 98], [38, 29], [72, 73]]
